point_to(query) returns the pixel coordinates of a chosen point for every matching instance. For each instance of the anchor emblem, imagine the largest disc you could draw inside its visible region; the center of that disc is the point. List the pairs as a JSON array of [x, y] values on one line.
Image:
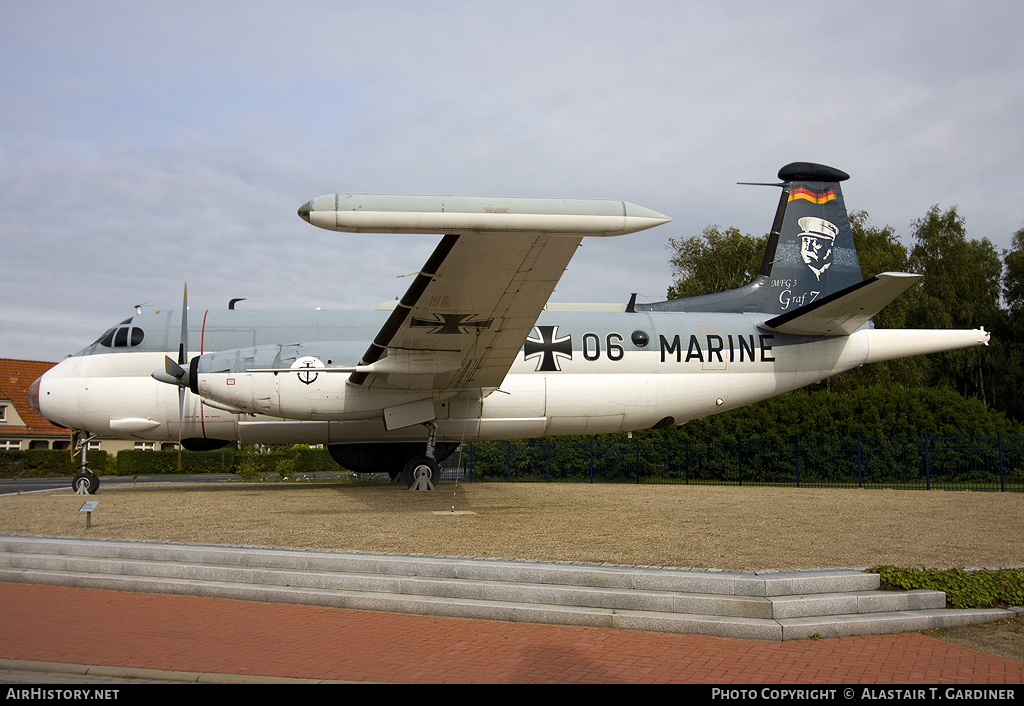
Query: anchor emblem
[[306, 377], [306, 368]]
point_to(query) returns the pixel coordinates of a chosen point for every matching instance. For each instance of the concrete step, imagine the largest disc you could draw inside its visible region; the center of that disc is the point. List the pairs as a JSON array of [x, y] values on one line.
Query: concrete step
[[763, 605]]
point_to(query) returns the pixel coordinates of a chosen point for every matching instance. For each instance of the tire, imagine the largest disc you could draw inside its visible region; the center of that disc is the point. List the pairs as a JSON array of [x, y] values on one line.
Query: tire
[[85, 482], [417, 468]]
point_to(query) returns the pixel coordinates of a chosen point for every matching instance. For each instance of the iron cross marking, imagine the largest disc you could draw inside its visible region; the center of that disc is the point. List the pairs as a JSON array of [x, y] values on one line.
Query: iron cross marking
[[450, 323], [547, 348]]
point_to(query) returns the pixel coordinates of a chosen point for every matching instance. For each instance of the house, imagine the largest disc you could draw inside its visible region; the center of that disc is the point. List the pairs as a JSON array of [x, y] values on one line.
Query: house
[[21, 427]]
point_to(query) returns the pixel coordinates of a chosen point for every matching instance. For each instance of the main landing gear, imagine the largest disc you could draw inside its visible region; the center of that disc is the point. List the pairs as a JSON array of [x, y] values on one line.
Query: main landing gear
[[411, 463], [420, 473]]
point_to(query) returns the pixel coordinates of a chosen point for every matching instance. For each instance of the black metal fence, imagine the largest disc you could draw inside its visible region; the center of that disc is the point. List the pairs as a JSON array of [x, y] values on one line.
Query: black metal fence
[[957, 463]]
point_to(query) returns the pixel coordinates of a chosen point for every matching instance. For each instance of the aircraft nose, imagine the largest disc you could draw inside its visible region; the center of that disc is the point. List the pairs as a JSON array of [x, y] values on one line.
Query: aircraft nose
[[33, 395], [304, 211]]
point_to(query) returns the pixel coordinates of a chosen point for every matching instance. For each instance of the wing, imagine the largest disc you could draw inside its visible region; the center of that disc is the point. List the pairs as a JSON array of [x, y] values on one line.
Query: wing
[[464, 318], [469, 311]]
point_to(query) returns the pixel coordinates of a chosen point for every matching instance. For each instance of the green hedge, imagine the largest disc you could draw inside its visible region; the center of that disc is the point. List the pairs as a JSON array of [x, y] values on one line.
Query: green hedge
[[43, 463], [285, 461], [248, 462], [148, 463], [867, 413]]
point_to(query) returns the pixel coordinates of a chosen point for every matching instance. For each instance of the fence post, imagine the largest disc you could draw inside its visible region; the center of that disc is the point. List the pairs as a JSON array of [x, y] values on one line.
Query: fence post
[[508, 461], [796, 459], [636, 448], [686, 461], [927, 465], [739, 460], [1002, 467], [860, 464], [591, 460], [547, 458]]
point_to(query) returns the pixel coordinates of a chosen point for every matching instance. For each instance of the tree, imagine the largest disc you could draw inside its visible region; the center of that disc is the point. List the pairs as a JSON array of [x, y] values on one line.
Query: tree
[[961, 289], [880, 250], [1013, 277], [1007, 356], [715, 261]]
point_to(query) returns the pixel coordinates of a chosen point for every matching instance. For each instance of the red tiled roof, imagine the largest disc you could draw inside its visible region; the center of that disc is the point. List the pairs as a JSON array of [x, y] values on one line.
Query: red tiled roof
[[15, 378]]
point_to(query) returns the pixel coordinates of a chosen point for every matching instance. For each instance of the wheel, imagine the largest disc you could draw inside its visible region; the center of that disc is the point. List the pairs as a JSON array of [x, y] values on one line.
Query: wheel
[[85, 482], [421, 473]]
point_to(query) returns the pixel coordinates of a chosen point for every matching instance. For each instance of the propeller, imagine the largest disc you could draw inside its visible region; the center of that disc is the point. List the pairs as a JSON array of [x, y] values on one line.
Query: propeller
[[180, 372], [176, 373]]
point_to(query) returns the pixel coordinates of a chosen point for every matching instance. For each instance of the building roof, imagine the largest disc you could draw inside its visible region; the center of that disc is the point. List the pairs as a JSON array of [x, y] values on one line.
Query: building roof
[[15, 378]]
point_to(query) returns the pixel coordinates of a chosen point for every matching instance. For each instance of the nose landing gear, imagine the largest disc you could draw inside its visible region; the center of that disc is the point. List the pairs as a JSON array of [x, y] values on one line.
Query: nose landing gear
[[85, 481]]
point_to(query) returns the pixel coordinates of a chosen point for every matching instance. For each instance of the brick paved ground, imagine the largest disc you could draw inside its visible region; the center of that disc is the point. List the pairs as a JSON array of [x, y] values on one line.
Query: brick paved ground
[[213, 635]]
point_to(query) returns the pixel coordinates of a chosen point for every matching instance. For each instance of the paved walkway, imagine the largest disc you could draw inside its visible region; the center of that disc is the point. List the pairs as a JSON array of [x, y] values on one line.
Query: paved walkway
[[213, 636]]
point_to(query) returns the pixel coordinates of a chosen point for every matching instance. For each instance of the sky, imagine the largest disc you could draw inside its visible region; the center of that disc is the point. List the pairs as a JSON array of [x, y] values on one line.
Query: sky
[[144, 145]]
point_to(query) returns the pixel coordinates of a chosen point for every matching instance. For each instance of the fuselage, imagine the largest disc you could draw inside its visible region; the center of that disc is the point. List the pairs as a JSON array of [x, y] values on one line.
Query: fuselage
[[580, 372]]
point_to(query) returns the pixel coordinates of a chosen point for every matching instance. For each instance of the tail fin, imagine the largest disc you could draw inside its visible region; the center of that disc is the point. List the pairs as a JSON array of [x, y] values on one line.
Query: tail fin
[[810, 253]]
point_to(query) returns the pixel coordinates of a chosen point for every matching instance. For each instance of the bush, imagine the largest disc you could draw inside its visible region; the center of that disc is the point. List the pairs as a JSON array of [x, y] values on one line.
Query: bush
[[964, 589], [47, 463], [867, 413], [148, 463]]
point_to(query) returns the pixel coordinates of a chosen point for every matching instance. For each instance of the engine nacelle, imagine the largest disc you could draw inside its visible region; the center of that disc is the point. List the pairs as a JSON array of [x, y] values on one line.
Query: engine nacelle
[[302, 381]]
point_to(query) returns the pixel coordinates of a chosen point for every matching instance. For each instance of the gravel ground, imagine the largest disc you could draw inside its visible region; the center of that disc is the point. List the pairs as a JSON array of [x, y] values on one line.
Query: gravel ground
[[667, 525], [715, 527]]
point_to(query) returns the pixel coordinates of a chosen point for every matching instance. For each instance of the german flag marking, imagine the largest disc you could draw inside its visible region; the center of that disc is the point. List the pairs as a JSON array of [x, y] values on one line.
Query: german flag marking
[[812, 196]]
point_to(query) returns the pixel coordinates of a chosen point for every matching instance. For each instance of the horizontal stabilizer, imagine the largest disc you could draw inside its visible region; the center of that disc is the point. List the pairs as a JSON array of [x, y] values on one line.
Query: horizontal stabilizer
[[845, 311]]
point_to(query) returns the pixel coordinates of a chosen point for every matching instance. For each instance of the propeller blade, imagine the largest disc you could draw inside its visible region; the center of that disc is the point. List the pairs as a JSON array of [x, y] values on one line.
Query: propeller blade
[[181, 421], [174, 370], [179, 371], [183, 339]]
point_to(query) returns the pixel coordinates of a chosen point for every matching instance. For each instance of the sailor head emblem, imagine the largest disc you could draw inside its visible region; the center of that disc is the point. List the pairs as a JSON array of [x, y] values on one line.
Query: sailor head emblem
[[817, 236]]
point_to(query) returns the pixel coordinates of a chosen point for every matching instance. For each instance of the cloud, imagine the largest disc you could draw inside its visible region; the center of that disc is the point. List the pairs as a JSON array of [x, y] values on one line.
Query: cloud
[[146, 146]]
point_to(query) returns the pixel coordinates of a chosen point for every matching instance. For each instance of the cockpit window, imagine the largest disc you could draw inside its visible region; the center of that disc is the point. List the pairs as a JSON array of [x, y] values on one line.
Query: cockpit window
[[107, 339], [124, 335]]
